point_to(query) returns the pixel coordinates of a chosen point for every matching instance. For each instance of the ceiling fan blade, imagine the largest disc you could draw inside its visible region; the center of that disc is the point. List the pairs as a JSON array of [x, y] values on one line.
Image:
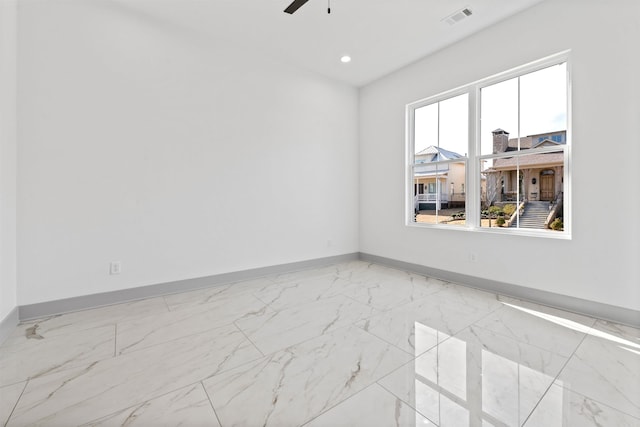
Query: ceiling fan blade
[[295, 5]]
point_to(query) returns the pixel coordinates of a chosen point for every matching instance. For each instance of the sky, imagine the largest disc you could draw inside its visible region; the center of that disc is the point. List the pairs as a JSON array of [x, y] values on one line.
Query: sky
[[542, 108]]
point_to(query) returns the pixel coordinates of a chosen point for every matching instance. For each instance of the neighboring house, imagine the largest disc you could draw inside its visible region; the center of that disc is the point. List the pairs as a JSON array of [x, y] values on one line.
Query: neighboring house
[[438, 186], [540, 175]]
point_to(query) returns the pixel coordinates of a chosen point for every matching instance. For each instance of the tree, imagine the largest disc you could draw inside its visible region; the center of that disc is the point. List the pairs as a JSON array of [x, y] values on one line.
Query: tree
[[492, 187]]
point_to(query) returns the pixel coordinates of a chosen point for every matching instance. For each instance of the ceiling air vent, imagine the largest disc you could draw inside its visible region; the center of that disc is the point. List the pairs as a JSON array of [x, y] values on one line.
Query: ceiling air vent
[[458, 16]]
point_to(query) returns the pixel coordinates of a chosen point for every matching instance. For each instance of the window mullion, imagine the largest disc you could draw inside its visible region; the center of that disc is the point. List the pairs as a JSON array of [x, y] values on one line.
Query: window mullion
[[473, 183], [410, 159]]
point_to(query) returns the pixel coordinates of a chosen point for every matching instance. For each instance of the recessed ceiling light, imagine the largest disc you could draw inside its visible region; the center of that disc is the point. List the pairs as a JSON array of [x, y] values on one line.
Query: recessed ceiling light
[[345, 59]]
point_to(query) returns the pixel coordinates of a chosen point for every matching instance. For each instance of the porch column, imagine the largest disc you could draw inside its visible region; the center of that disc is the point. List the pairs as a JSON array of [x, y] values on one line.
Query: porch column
[[558, 179]]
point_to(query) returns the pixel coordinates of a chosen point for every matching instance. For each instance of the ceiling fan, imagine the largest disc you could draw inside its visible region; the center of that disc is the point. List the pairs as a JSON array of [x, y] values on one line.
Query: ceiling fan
[[297, 4]]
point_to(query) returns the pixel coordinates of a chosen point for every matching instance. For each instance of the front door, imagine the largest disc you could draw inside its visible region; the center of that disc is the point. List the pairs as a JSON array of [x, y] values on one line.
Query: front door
[[546, 187]]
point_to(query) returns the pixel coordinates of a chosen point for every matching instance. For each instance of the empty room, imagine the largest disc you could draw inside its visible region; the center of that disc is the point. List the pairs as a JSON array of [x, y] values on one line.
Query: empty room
[[320, 213]]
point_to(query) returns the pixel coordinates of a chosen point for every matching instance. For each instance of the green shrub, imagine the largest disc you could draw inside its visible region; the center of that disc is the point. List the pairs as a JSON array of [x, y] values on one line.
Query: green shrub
[[494, 210], [509, 209], [557, 224], [500, 221]]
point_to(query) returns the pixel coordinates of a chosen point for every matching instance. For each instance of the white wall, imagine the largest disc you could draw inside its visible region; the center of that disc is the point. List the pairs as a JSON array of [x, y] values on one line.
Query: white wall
[[179, 156], [7, 157], [600, 263]]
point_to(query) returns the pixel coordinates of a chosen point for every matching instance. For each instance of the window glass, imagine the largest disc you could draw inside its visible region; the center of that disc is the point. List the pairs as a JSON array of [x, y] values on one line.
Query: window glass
[[499, 109], [441, 198], [532, 183], [441, 141], [543, 101]]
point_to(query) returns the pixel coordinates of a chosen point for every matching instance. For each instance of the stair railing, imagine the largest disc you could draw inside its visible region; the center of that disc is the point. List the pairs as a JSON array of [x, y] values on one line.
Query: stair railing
[[515, 213]]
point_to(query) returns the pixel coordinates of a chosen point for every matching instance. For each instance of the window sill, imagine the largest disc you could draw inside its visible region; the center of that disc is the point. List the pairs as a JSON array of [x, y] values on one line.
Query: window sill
[[524, 232]]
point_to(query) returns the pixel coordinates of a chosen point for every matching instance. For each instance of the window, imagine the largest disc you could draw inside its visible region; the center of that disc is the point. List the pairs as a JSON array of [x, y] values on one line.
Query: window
[[505, 139], [438, 159]]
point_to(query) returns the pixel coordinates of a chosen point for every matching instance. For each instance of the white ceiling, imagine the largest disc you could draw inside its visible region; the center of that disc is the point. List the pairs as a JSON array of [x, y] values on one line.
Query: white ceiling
[[380, 35]]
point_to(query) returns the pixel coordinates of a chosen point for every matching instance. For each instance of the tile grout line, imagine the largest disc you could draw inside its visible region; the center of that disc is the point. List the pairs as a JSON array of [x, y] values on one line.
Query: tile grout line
[[564, 365], [164, 299], [380, 311], [190, 334], [587, 335], [613, 408], [266, 304], [298, 304], [387, 342], [348, 325], [248, 339], [474, 324], [412, 406], [435, 346], [26, 383], [491, 331], [438, 342], [210, 402]]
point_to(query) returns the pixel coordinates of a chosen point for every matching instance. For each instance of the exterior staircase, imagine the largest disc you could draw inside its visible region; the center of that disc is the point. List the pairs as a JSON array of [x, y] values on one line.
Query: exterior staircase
[[534, 216]]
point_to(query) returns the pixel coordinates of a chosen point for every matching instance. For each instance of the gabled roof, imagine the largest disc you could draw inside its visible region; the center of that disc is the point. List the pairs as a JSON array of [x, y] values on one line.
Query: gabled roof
[[546, 143], [438, 153], [528, 161]]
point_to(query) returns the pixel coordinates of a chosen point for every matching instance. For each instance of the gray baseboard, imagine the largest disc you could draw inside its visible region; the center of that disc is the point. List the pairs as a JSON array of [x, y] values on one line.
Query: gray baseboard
[[564, 302], [67, 305], [8, 324], [576, 305]]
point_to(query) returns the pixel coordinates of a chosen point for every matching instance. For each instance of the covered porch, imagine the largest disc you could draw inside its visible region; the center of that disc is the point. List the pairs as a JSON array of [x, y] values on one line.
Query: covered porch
[[429, 193]]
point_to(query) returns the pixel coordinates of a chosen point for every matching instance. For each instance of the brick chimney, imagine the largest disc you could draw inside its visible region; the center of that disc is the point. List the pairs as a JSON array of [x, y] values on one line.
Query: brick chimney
[[500, 141]]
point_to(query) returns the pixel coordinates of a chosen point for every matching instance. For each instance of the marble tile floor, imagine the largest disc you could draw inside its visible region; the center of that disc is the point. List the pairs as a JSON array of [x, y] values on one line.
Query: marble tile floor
[[352, 344]]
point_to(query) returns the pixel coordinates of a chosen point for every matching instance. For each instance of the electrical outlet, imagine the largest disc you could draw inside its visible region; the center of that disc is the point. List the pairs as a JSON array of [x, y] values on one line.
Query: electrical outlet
[[329, 243], [115, 267], [473, 257]]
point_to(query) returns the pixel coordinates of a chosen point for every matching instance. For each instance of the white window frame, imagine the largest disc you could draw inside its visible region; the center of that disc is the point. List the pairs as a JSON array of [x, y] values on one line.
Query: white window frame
[[472, 182], [411, 108]]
